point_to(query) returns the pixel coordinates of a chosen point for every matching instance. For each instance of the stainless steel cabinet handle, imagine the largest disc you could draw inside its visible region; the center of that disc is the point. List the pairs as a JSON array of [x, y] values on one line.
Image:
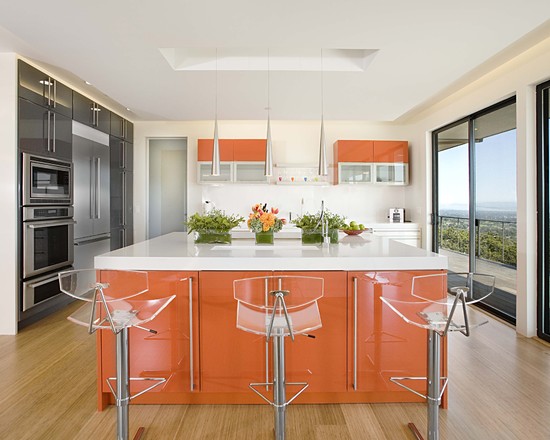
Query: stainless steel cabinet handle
[[266, 299], [49, 90], [98, 187], [54, 101], [53, 134], [123, 208], [355, 333], [123, 154], [123, 237], [92, 188], [48, 130], [191, 370]]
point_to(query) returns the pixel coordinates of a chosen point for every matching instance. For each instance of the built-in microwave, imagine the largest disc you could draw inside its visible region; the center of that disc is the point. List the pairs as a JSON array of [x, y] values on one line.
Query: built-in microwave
[[46, 181]]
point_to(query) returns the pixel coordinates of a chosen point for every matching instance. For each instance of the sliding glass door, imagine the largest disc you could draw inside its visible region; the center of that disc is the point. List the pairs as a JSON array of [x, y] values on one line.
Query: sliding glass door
[[543, 202], [475, 200]]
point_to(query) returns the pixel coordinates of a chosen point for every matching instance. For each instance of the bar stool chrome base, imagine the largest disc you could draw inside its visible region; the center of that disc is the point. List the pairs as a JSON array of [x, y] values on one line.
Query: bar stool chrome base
[[114, 304], [279, 384], [278, 306], [122, 391], [438, 317]]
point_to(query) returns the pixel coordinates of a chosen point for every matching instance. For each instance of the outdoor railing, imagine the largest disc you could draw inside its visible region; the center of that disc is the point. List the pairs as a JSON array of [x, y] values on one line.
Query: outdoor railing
[[495, 240]]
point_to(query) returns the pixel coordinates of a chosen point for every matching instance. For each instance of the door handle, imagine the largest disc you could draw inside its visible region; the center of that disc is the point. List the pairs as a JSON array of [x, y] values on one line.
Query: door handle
[[54, 92], [53, 134], [98, 187], [49, 128], [123, 198], [191, 369], [355, 333], [39, 225], [92, 188]]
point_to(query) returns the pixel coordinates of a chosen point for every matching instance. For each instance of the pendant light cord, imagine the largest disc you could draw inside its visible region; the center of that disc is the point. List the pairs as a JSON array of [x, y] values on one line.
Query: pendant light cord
[[216, 105], [322, 88]]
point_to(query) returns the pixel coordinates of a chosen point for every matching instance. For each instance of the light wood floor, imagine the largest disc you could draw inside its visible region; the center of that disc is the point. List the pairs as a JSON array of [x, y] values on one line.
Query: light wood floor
[[500, 389]]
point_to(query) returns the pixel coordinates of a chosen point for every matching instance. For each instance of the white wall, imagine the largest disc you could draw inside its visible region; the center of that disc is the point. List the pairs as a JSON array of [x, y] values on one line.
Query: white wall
[[8, 194], [293, 142], [516, 77]]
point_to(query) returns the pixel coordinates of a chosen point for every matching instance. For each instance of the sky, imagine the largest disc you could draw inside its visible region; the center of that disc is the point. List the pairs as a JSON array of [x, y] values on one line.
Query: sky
[[495, 176]]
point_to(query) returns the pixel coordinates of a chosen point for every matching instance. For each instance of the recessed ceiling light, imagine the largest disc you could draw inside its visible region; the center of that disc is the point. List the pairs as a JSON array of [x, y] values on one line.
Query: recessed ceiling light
[[88, 83], [128, 109]]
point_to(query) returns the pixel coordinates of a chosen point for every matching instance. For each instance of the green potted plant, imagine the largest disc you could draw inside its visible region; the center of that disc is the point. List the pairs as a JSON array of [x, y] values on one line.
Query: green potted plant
[[213, 227], [310, 224]]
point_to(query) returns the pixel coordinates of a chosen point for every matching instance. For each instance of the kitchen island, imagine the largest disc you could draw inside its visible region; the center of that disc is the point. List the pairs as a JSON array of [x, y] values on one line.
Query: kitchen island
[[206, 359]]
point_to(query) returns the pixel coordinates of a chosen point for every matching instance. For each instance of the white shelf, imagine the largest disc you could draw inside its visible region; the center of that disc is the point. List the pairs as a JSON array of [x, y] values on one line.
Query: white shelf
[[298, 175]]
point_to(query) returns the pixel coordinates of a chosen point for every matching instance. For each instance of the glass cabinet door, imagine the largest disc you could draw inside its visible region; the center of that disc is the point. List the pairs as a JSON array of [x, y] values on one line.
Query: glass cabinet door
[[205, 177], [354, 172], [392, 173], [250, 172]]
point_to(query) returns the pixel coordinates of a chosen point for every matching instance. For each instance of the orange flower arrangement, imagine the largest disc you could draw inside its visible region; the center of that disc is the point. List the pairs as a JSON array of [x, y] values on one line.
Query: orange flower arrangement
[[262, 220]]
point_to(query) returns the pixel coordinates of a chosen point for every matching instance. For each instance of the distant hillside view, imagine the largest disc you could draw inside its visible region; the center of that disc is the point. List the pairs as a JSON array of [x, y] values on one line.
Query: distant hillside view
[[496, 231]]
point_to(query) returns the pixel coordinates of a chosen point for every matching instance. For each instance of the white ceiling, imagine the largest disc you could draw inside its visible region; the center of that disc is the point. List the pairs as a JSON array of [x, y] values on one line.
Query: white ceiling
[[423, 49]]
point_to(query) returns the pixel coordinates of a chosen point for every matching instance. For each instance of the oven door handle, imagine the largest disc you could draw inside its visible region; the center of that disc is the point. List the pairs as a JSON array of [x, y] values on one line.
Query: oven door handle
[[38, 225], [42, 282]]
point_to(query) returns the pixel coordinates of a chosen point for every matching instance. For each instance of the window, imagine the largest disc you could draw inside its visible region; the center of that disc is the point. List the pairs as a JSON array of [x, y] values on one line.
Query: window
[[543, 220], [475, 200]]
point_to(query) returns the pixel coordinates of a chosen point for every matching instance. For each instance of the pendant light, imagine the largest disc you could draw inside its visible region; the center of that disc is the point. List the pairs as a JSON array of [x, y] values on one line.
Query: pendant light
[[268, 170], [323, 165], [215, 170]]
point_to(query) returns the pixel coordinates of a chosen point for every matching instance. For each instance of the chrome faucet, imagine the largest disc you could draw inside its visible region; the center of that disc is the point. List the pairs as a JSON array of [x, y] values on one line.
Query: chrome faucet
[[323, 219]]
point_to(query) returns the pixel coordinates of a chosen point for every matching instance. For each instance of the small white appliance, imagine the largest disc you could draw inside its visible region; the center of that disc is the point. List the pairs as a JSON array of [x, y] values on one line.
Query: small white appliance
[[207, 206], [396, 215]]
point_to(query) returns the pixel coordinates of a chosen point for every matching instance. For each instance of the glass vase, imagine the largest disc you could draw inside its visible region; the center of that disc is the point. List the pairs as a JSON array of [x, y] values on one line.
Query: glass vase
[[264, 237], [210, 236], [315, 236]]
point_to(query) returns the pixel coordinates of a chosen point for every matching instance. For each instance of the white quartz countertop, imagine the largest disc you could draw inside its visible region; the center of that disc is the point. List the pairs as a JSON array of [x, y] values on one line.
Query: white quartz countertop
[[177, 251]]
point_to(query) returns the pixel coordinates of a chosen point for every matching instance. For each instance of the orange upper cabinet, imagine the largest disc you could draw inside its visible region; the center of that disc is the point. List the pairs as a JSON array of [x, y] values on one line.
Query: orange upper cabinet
[[353, 151], [371, 161], [242, 161], [391, 151], [249, 150], [205, 147]]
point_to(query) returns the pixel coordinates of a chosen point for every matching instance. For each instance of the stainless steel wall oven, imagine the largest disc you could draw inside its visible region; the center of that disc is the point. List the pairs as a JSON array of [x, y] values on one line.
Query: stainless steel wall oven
[[48, 235], [47, 229]]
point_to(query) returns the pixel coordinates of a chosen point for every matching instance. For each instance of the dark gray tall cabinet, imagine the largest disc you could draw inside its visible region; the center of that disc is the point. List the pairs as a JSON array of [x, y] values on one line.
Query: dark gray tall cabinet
[[122, 177]]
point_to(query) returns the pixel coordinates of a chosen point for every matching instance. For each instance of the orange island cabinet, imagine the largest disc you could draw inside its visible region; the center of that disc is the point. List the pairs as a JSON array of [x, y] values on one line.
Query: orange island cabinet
[[207, 360]]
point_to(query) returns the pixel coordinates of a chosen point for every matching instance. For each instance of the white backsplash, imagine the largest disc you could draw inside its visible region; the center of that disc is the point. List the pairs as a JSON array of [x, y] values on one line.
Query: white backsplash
[[362, 203]]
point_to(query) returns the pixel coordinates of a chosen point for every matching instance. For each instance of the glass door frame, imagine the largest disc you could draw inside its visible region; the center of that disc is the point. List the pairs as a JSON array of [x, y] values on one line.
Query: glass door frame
[[543, 211], [472, 190]]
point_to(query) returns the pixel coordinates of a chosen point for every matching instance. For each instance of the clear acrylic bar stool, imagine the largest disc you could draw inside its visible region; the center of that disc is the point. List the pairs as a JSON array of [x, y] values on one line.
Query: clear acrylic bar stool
[[438, 317], [277, 307], [114, 304]]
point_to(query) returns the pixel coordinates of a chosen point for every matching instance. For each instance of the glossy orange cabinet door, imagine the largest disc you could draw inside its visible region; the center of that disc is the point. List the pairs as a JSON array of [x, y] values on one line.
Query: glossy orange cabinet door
[[249, 150], [381, 344], [321, 361], [391, 151], [172, 353], [205, 147], [230, 358], [353, 151]]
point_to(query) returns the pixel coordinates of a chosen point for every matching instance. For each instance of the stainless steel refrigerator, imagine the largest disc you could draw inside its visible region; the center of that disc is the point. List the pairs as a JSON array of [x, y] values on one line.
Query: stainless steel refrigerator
[[91, 166]]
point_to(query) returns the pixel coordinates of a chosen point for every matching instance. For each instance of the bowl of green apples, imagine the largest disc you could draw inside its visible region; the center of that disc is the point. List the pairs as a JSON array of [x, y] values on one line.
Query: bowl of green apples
[[353, 228]]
